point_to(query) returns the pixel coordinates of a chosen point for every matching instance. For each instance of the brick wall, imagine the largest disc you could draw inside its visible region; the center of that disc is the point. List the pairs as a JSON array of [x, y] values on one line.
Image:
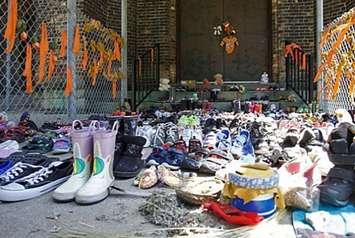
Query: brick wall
[[294, 21], [156, 22], [335, 8]]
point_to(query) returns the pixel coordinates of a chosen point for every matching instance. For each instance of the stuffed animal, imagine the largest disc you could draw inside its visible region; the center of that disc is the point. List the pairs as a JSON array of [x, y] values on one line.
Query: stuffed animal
[[218, 79], [164, 84]]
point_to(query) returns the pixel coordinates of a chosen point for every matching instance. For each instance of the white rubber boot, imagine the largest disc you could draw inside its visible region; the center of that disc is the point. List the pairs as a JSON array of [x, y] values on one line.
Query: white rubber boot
[[97, 187], [83, 154]]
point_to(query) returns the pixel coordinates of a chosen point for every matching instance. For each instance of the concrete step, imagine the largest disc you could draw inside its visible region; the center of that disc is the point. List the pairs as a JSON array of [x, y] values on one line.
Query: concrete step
[[160, 99]]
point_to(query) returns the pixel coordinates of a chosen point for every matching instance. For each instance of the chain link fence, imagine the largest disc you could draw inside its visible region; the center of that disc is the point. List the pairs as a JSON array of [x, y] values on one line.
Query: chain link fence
[[96, 85], [337, 88]]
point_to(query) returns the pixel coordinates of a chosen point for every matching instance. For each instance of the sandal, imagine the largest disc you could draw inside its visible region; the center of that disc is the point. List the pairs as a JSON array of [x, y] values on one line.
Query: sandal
[[147, 178], [168, 177]]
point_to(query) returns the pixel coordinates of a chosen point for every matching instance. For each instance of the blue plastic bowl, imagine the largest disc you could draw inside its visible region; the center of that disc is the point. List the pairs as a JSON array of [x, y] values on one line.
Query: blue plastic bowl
[[263, 205]]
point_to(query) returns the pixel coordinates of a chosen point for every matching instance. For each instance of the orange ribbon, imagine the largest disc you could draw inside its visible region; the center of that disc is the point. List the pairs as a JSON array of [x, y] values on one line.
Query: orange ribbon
[[109, 67], [85, 61], [114, 89], [290, 48], [27, 73], [117, 51], [76, 43], [95, 72], [69, 84], [43, 51], [63, 43], [10, 32]]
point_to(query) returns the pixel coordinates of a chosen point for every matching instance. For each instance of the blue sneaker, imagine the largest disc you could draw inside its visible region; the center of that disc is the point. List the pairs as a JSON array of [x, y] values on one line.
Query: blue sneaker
[[224, 141], [243, 147], [157, 157]]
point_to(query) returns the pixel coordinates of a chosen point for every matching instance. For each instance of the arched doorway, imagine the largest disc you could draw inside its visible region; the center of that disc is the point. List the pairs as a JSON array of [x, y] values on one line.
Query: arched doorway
[[199, 53]]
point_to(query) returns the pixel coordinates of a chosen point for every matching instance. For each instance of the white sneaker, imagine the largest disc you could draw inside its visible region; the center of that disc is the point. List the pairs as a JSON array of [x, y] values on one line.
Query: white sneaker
[[81, 174], [147, 132], [97, 187]]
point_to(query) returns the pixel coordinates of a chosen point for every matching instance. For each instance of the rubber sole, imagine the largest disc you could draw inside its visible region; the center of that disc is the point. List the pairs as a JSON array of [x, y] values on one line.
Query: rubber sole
[[8, 195], [89, 200], [63, 198]]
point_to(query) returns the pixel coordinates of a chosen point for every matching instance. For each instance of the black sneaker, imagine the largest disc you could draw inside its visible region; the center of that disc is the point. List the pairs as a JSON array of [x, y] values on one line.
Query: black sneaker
[[24, 166], [40, 182]]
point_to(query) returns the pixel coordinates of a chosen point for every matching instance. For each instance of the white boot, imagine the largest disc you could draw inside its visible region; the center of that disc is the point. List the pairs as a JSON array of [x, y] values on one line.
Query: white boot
[[81, 174], [97, 187]]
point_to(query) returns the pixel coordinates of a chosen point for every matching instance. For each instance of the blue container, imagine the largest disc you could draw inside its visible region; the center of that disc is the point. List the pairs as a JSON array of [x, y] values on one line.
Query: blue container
[[263, 205]]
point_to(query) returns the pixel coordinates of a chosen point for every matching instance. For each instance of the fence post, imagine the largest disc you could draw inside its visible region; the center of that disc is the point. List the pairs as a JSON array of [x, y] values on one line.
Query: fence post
[[134, 83], [310, 78], [158, 66], [71, 18], [124, 65], [8, 73]]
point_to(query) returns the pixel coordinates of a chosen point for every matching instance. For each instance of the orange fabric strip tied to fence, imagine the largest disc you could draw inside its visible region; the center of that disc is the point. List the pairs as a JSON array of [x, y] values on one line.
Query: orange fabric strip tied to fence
[[85, 61], [27, 73], [95, 72], [109, 67], [43, 51], [52, 63], [76, 44], [117, 51], [10, 32], [69, 84], [114, 89], [63, 43], [304, 62]]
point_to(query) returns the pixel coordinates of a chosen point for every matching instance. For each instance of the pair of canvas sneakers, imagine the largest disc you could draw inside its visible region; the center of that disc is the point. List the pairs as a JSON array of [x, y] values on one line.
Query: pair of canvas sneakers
[[93, 152]]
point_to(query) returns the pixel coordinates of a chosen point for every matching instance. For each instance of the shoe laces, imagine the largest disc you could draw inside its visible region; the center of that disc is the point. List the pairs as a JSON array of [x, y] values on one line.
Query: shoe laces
[[14, 172], [171, 132], [39, 176]]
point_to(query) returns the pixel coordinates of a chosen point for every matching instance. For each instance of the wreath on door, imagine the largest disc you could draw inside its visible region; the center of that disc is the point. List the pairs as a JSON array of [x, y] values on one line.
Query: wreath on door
[[227, 34]]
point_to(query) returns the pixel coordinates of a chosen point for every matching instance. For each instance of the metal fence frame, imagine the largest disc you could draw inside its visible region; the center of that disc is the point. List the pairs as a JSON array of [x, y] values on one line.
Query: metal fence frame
[[343, 99], [47, 102]]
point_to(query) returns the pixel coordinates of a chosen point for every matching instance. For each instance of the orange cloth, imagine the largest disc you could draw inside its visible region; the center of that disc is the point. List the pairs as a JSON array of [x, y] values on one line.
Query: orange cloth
[[10, 32], [69, 84], [43, 52], [63, 44], [27, 73], [230, 43]]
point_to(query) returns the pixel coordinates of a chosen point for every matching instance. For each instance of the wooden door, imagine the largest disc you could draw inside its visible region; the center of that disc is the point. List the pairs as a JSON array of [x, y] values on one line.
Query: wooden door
[[200, 54]]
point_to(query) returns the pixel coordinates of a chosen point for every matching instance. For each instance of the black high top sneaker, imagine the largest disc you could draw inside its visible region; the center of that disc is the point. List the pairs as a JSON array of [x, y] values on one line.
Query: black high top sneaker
[[24, 165], [128, 160], [40, 182]]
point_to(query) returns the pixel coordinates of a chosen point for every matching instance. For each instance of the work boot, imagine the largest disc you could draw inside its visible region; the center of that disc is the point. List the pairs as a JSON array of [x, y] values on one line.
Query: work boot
[[83, 153], [97, 187]]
